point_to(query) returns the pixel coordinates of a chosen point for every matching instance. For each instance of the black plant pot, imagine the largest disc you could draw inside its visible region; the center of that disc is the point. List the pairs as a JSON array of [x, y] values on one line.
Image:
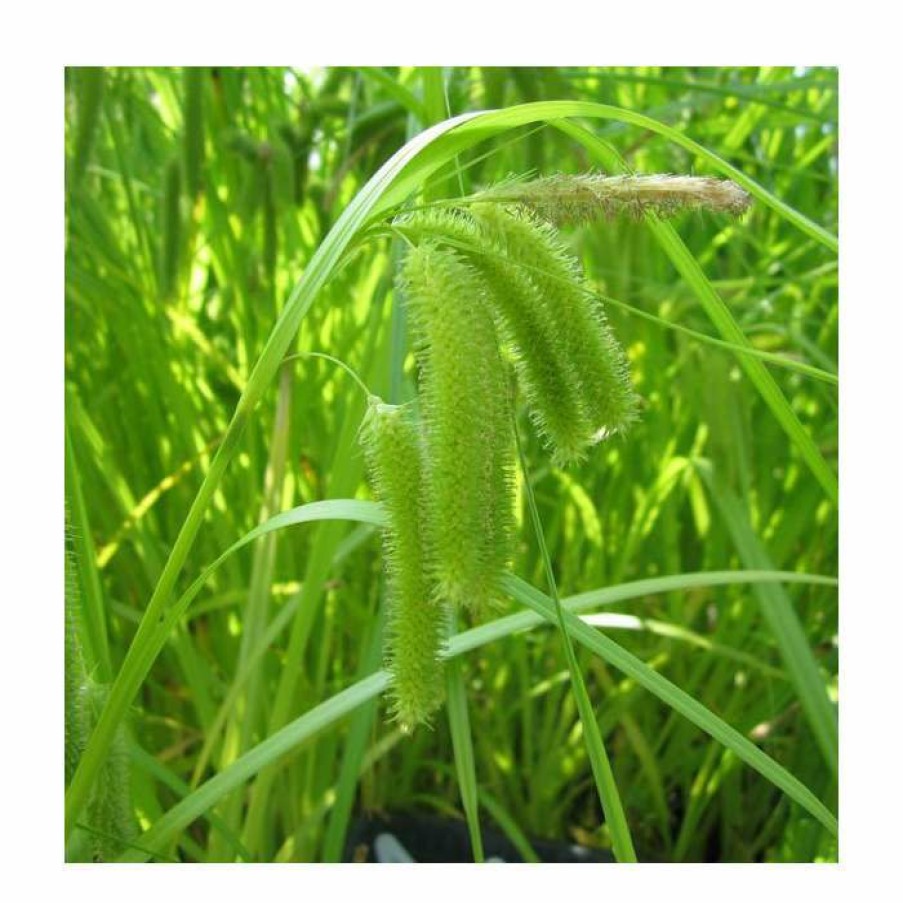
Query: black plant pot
[[425, 838]]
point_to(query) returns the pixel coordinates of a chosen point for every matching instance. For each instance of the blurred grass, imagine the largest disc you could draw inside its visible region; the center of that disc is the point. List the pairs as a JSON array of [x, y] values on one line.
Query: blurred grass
[[195, 202]]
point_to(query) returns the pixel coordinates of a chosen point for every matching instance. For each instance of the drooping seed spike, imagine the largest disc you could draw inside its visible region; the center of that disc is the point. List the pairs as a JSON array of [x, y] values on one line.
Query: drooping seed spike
[[417, 620], [108, 814], [75, 674], [584, 347], [525, 323], [467, 423]]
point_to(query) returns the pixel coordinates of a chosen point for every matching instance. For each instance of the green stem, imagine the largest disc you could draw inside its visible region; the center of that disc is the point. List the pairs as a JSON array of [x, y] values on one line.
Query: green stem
[[612, 807]]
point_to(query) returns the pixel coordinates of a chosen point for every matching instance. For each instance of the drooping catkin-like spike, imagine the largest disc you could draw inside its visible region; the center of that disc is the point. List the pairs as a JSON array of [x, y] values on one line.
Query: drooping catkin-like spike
[[467, 423], [524, 321], [549, 375], [417, 620], [582, 336], [75, 674], [108, 814], [583, 197]]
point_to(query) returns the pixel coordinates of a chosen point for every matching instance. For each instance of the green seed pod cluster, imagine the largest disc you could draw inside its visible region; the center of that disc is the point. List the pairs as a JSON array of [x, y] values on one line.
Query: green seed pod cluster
[[570, 367], [491, 279], [526, 324], [417, 618]]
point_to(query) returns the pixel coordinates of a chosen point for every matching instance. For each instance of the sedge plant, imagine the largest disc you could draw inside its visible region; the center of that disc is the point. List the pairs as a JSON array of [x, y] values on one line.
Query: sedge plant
[[201, 236]]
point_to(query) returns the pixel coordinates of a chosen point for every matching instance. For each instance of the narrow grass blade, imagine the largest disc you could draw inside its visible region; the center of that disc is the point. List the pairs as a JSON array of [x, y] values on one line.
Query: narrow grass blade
[[89, 93], [355, 747], [676, 698], [144, 760], [609, 796], [508, 824], [462, 743], [758, 375]]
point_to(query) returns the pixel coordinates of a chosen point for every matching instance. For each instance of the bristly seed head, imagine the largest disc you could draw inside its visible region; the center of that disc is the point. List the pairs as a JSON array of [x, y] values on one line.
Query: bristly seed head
[[579, 198]]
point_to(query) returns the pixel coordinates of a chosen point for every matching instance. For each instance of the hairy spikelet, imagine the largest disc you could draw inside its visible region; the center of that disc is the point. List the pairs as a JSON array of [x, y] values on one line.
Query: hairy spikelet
[[578, 342], [563, 198], [525, 323], [109, 811], [108, 817], [74, 662], [467, 423], [417, 619]]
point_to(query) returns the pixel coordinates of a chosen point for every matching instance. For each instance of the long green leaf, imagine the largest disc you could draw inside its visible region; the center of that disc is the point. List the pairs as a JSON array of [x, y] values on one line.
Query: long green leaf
[[609, 796], [462, 745]]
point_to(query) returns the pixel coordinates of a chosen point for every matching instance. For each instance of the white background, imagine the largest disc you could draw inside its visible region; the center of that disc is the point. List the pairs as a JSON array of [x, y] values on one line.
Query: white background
[[38, 41]]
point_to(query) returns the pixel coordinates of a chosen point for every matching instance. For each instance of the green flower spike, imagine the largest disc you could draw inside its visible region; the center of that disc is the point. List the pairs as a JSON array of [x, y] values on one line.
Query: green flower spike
[[417, 620]]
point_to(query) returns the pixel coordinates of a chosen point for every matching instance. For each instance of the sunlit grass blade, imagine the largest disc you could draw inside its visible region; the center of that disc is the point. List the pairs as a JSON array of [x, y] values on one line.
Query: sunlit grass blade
[[673, 696], [777, 609], [606, 786], [462, 744]]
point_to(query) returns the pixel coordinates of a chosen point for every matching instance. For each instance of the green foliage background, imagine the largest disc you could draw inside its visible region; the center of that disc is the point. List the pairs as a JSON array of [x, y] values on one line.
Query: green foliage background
[[195, 200]]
